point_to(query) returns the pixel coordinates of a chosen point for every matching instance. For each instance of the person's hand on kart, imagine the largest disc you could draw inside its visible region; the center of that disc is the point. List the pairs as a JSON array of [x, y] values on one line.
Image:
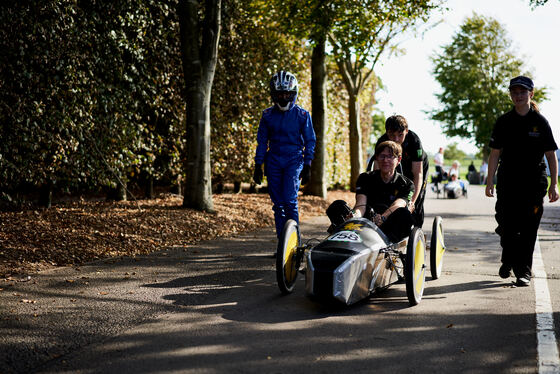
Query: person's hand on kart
[[411, 206], [353, 213], [378, 219]]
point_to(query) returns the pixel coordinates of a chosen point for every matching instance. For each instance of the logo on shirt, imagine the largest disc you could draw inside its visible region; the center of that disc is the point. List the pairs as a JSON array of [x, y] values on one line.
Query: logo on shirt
[[535, 133]]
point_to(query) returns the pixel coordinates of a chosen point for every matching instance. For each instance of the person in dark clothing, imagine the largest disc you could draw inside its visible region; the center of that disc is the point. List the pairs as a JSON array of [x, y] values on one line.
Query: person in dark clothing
[[414, 164], [387, 192], [520, 139]]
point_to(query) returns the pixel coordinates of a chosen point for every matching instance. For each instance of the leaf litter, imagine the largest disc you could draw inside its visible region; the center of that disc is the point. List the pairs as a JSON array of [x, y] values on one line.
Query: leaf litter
[[77, 232]]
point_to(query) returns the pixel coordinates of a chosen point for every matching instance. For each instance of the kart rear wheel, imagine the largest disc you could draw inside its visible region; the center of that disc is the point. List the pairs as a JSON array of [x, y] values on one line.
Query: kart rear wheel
[[415, 266], [437, 248], [287, 261]]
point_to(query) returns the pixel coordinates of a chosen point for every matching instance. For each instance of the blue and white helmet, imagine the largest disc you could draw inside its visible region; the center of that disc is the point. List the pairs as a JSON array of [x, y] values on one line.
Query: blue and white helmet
[[284, 89]]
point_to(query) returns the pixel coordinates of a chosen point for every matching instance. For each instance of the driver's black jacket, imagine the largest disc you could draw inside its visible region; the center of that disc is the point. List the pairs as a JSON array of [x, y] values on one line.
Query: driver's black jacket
[[380, 194]]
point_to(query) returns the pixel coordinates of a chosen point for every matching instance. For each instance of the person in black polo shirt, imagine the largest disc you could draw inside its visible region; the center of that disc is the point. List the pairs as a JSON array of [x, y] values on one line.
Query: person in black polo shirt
[[414, 164], [519, 140], [387, 192]]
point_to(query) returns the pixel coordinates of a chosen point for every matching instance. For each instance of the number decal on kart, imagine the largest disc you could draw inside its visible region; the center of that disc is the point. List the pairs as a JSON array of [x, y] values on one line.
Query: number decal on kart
[[346, 236]]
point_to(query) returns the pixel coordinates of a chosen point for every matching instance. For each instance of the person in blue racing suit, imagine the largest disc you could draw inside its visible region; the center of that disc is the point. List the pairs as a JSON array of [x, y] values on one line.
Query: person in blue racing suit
[[285, 145]]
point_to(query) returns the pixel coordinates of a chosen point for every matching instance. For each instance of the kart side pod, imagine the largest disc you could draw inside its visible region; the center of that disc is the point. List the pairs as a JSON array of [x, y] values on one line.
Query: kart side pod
[[350, 264]]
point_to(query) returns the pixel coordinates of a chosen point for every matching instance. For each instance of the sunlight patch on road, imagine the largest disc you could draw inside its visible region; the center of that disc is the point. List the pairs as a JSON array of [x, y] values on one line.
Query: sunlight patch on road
[[210, 306]]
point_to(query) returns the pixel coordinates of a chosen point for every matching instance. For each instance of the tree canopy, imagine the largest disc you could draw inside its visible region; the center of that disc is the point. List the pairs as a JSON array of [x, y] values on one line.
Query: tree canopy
[[362, 32], [474, 72], [94, 96]]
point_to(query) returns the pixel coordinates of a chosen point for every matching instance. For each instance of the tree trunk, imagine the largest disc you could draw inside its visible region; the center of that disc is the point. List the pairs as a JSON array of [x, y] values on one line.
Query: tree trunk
[[149, 186], [178, 188], [237, 187], [198, 185], [317, 185], [45, 194], [121, 192], [118, 193], [199, 49], [354, 83], [356, 153]]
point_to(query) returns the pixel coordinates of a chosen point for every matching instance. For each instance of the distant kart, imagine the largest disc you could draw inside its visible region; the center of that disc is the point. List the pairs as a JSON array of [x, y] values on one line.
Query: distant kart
[[455, 189], [451, 189], [357, 260]]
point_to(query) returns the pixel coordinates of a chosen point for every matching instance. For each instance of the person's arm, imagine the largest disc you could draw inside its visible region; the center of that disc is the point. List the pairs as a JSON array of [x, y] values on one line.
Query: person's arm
[[379, 219], [262, 141], [360, 207], [553, 167], [417, 178], [398, 203], [492, 166], [309, 139]]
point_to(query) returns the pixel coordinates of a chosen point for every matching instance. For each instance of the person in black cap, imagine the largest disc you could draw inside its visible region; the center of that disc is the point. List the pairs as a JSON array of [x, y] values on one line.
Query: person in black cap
[[520, 139], [414, 164]]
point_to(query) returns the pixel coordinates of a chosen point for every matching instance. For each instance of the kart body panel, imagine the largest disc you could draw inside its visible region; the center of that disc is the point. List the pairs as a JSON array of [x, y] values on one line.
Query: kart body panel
[[353, 262]]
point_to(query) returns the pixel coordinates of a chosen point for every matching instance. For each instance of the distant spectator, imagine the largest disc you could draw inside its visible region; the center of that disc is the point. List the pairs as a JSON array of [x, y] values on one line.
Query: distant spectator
[[454, 169], [483, 171], [473, 176], [438, 161]]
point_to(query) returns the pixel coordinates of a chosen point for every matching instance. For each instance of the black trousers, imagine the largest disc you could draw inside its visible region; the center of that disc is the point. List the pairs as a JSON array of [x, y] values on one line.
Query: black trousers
[[398, 226], [418, 214], [519, 211]]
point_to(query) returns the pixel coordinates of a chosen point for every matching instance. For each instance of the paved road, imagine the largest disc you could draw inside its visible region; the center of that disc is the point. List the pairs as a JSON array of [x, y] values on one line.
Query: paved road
[[215, 308]]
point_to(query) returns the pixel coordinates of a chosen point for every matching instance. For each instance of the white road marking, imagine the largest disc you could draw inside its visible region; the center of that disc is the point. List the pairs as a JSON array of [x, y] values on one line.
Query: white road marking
[[547, 348]]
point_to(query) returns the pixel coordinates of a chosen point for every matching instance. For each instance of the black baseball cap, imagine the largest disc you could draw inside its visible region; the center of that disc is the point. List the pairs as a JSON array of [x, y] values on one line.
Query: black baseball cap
[[523, 82]]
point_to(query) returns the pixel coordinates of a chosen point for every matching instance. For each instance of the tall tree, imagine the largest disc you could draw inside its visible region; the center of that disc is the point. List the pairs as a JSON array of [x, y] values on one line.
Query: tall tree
[[359, 31], [363, 31], [199, 47], [252, 48], [312, 20], [474, 71]]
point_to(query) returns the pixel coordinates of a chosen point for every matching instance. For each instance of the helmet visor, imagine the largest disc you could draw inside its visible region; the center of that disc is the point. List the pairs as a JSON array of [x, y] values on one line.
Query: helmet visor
[[283, 98]]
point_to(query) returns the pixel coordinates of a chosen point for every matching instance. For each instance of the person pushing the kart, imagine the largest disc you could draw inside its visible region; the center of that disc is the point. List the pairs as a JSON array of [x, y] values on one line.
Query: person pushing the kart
[[414, 164], [285, 145]]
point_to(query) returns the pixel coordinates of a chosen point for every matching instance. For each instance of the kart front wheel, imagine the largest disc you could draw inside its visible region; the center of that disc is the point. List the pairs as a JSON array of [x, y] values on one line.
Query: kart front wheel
[[415, 266], [287, 261], [437, 248]]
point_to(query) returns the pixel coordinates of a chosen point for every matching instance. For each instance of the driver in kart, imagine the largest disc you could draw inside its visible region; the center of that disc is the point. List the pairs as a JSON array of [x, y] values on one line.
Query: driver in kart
[[383, 195]]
